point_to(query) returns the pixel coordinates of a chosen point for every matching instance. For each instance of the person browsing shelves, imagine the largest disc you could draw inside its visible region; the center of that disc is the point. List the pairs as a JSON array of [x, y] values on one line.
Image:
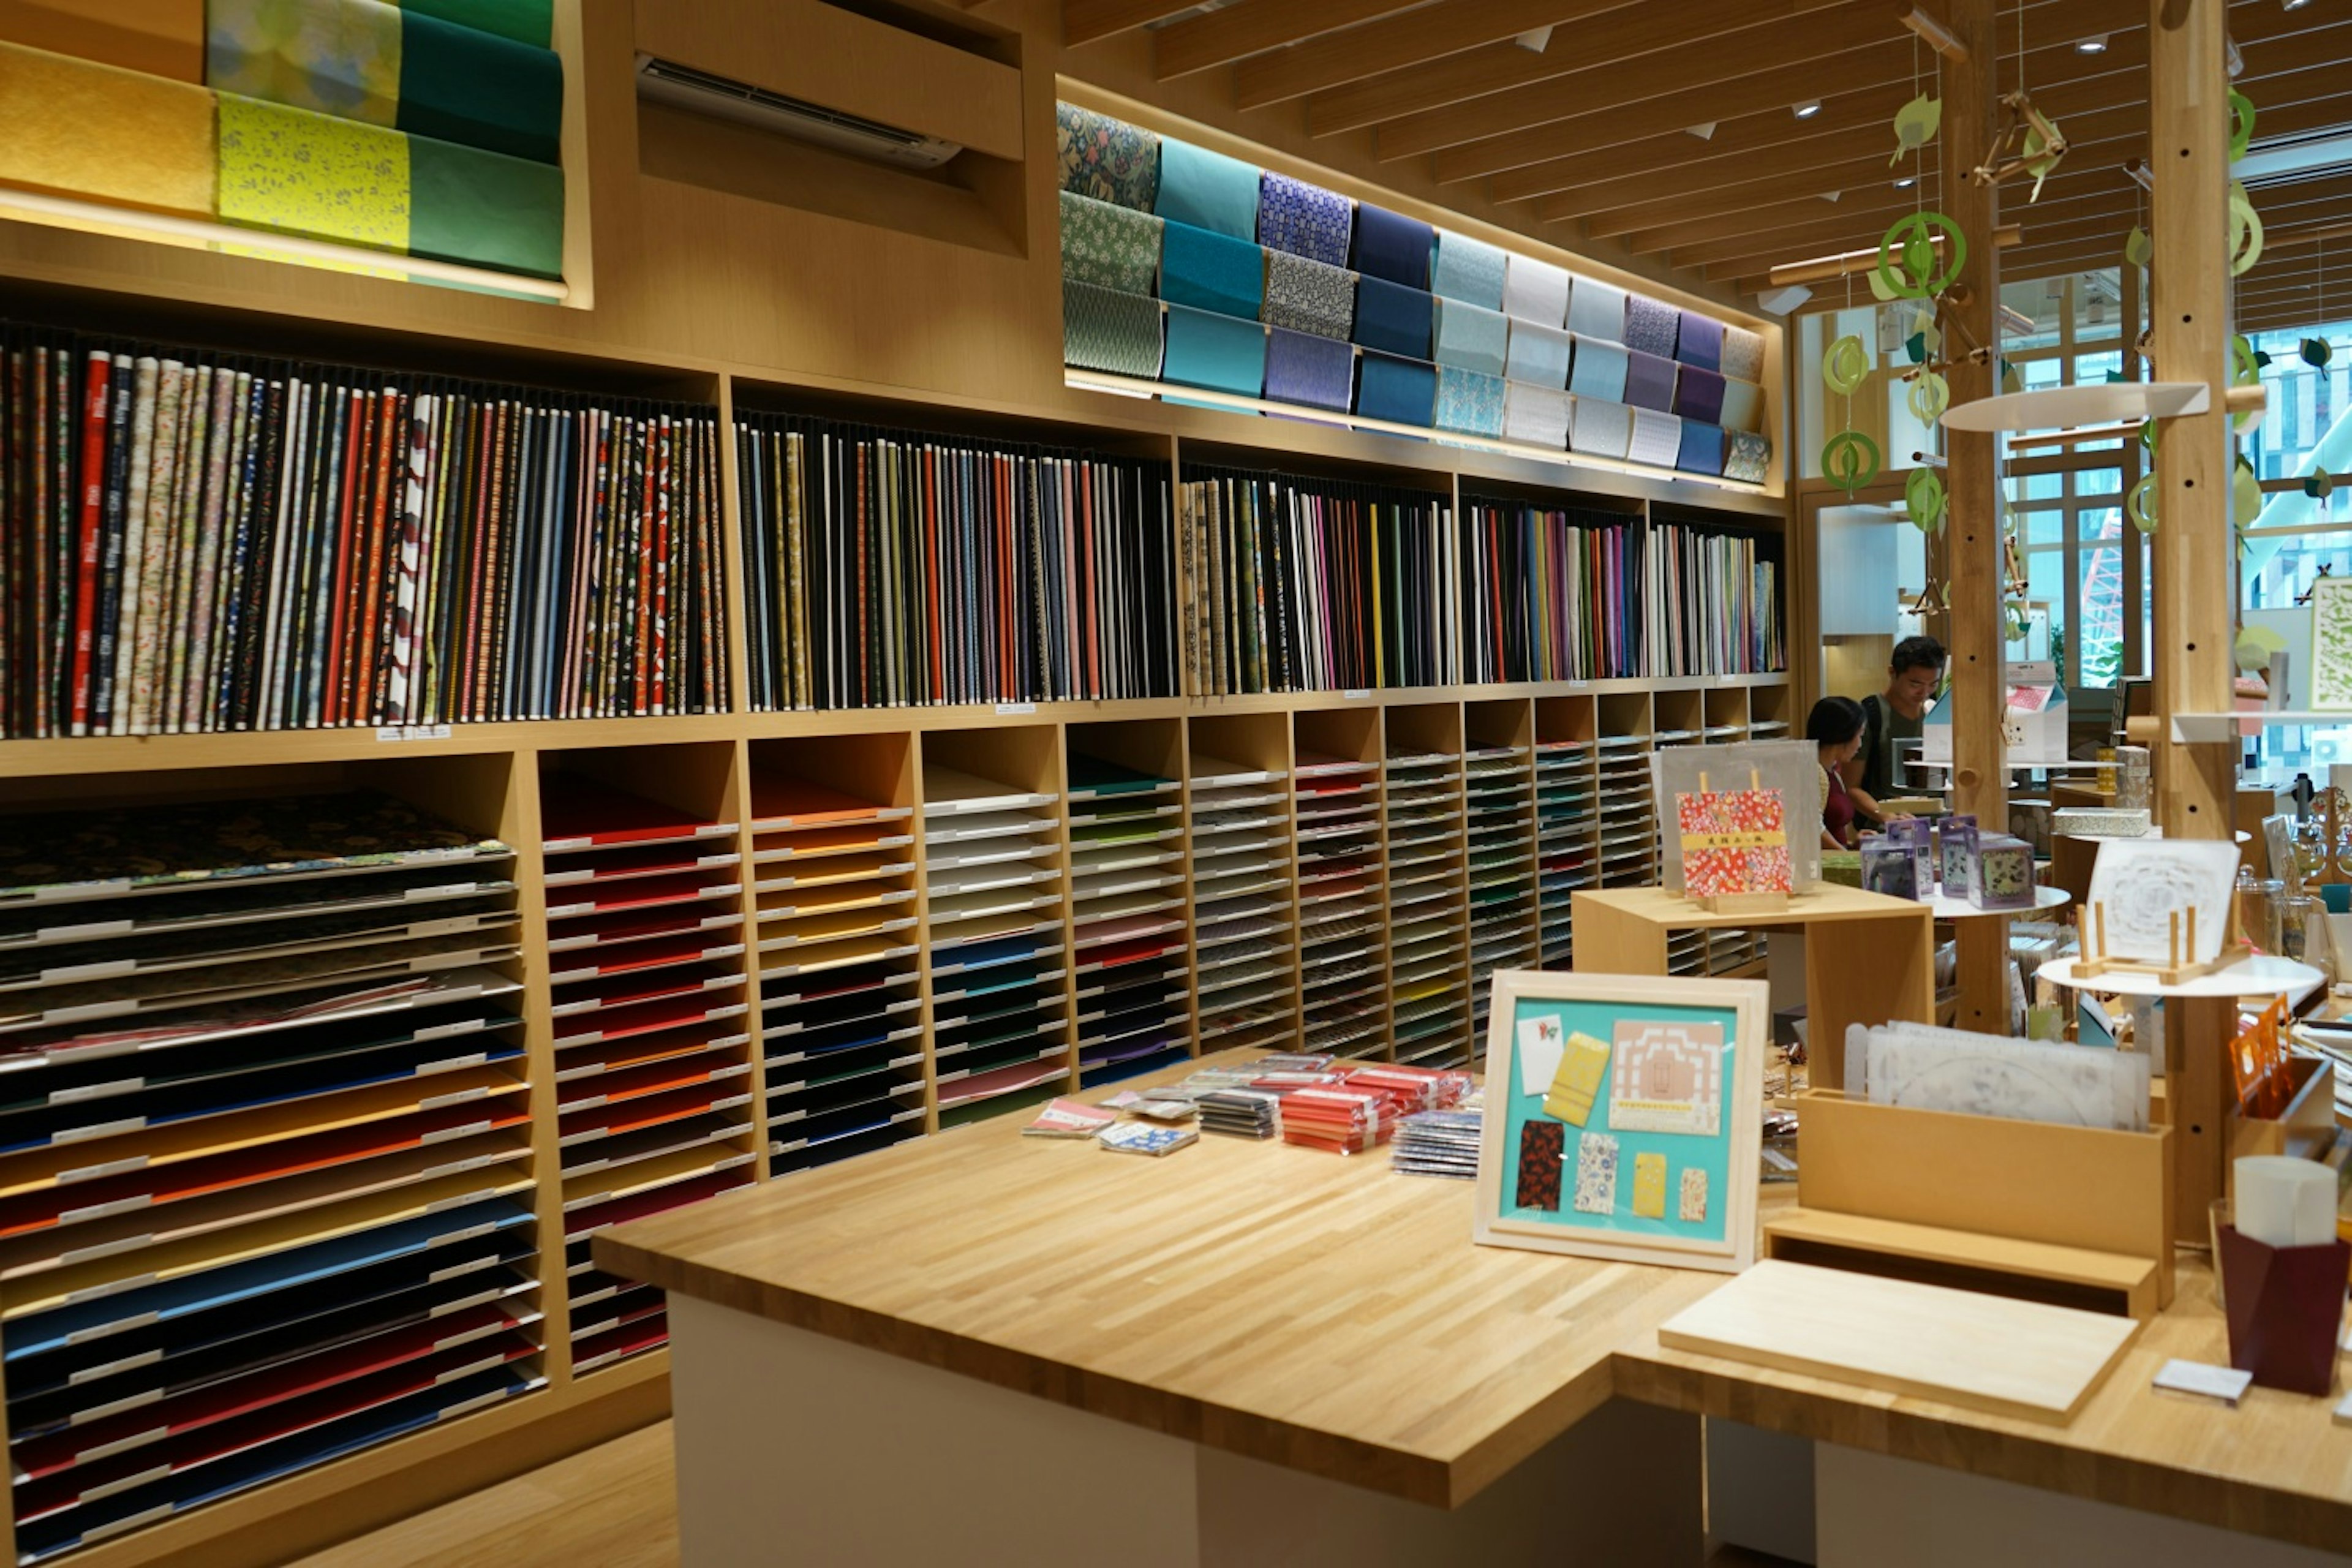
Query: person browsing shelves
[[1834, 727], [1913, 675]]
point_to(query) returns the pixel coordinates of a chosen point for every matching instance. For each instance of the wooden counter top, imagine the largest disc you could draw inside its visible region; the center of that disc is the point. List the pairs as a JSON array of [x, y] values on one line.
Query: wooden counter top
[[1325, 1313], [1827, 903]]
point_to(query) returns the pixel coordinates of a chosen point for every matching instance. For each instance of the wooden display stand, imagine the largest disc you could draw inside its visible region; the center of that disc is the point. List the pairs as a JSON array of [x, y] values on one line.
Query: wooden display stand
[[2091, 926], [2076, 1216], [2305, 1129], [1879, 967]]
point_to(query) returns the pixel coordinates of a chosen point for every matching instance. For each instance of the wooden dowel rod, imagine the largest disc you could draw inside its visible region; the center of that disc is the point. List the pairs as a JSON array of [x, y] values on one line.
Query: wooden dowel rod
[[1935, 35]]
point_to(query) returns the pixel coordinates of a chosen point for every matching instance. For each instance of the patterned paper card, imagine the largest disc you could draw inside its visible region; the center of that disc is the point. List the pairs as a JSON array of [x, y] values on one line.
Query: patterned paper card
[[1694, 1210], [1540, 1143], [1734, 841], [1574, 1087], [1596, 1174], [2331, 643], [1668, 1077], [1650, 1186]]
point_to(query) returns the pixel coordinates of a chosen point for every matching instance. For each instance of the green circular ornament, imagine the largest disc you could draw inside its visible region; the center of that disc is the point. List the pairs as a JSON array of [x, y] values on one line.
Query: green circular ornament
[[2315, 352], [2319, 484], [1850, 460], [1846, 365], [1907, 256], [2245, 236], [1929, 395], [2140, 505], [1924, 499], [2245, 370], [2013, 616], [2245, 494], [2242, 124]]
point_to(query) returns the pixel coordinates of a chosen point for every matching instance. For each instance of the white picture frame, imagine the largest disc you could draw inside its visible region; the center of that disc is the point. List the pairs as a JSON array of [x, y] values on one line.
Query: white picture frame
[[2138, 884], [1659, 1150]]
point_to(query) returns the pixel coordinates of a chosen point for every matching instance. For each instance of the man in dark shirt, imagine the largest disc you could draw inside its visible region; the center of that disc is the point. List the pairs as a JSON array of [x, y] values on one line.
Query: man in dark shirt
[[1913, 676]]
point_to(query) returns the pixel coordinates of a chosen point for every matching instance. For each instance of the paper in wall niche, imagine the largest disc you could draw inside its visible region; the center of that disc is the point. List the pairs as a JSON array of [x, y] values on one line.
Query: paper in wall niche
[[2142, 890], [1702, 451], [1649, 325], [1535, 291], [1468, 402], [1743, 405], [1536, 415], [1105, 330], [1106, 158], [2331, 643], [1603, 428], [1598, 372], [1109, 245], [1467, 270], [1666, 1077], [1924, 1068], [1304, 220], [1743, 355], [1747, 456], [1539, 354], [1597, 311], [1657, 438], [1207, 190]]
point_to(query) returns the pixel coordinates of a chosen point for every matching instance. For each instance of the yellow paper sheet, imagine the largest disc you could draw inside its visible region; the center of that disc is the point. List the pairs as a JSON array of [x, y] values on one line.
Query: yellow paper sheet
[[161, 37], [79, 129], [1574, 1088]]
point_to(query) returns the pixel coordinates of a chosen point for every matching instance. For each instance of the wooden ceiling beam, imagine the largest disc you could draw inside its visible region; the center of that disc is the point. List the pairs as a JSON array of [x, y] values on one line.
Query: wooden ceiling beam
[[1083, 21], [1409, 39], [1221, 38], [1652, 43]]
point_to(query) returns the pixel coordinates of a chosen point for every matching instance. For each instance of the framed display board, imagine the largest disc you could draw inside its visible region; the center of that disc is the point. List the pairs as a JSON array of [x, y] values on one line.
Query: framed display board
[[1788, 769], [1624, 1117]]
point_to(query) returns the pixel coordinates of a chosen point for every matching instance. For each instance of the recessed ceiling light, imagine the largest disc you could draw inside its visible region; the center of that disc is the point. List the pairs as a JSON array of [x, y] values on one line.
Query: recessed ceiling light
[[1807, 109], [2093, 46], [1906, 182]]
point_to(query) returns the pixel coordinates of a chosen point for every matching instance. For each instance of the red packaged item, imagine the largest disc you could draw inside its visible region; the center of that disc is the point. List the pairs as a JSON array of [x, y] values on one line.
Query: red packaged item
[[1339, 1120]]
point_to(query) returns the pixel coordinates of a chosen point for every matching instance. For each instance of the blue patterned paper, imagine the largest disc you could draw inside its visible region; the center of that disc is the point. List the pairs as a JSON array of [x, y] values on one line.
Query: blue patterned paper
[[1303, 219], [1469, 401]]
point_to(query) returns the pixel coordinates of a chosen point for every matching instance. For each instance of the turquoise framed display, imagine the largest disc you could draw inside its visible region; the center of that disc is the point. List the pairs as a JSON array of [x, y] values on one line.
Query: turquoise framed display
[[1624, 1117]]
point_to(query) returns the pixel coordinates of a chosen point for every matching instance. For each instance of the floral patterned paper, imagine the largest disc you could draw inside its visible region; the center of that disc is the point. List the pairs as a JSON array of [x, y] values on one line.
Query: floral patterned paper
[[1596, 1174], [1109, 245], [1650, 325], [1743, 354], [330, 56], [1106, 158], [299, 172], [1734, 841], [1747, 455]]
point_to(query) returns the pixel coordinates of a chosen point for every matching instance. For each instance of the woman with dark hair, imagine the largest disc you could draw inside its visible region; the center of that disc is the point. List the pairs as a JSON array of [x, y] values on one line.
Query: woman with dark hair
[[1834, 727]]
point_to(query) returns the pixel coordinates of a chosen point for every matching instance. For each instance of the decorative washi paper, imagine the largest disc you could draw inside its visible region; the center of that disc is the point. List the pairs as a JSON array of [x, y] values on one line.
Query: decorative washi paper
[[1656, 439], [1105, 330], [68, 124], [1469, 402], [1207, 190], [1747, 456], [1601, 428], [1303, 368], [1700, 342], [1599, 370], [1307, 296], [1536, 415], [1467, 270], [1925, 1068], [1210, 271], [1539, 354], [2140, 887], [1401, 391], [2331, 643], [1597, 310], [1106, 158], [1650, 325], [1392, 317], [1472, 337], [1649, 381], [1668, 1077], [1304, 220], [1536, 291], [1109, 245], [1392, 245], [1702, 450], [1733, 842], [1698, 393], [1743, 405], [1220, 353]]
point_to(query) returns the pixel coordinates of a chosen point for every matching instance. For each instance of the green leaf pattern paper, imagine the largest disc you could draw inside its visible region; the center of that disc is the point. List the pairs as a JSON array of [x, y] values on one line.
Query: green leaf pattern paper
[[1105, 330], [2331, 643], [330, 56], [1109, 245], [317, 174]]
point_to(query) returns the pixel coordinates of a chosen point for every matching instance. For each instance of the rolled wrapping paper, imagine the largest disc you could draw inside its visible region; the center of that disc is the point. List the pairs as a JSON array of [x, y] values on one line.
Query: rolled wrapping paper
[[1390, 245], [1535, 291], [1745, 456], [1109, 245], [1315, 371], [1656, 439], [404, 69], [1210, 271], [1392, 317], [80, 128], [1743, 405], [1598, 370], [1105, 330], [1536, 415], [1649, 325], [1596, 311], [1469, 401], [1309, 296], [1401, 391], [1702, 449], [1649, 381], [1467, 270], [1473, 337], [1601, 428], [1539, 354], [1303, 219], [1207, 190], [525, 21], [1106, 158], [1698, 394], [1700, 342], [1743, 354], [1220, 353], [161, 37]]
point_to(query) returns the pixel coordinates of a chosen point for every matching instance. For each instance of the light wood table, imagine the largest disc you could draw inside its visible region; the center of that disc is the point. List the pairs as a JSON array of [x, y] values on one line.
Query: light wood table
[[1869, 959], [1005, 1349]]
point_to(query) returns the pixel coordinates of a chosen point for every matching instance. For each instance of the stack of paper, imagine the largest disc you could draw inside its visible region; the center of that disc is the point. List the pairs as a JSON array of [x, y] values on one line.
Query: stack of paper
[[1438, 1143]]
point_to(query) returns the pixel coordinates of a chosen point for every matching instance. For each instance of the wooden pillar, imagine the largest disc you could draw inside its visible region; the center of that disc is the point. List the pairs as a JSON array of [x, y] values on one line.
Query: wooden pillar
[[2188, 86], [1979, 775]]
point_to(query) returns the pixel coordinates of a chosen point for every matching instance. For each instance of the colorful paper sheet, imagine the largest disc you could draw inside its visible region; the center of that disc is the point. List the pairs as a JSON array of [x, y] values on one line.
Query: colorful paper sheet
[[1656, 439], [1539, 355], [1401, 391], [1698, 393], [1600, 427], [1598, 371], [1467, 270], [1743, 405], [1393, 318], [1469, 401], [1597, 311], [1392, 247], [1743, 354], [1109, 245], [1536, 415], [1700, 342], [1649, 381], [1472, 337], [1316, 370], [1105, 330], [1304, 220], [159, 37], [1106, 158], [1207, 190], [1747, 456], [1307, 296], [1702, 450], [1215, 352], [1535, 291], [1210, 271], [82, 129]]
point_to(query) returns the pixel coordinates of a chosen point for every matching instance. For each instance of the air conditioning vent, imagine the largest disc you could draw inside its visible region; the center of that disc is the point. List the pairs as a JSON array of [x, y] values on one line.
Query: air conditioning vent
[[700, 92]]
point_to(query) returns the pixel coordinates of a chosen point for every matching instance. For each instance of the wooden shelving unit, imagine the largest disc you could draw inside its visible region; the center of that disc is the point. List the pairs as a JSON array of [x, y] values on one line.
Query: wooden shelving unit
[[893, 922]]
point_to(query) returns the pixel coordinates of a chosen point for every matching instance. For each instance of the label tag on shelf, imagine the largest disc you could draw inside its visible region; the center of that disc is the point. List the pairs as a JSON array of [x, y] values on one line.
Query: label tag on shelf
[[393, 734], [1357, 693], [1004, 709]]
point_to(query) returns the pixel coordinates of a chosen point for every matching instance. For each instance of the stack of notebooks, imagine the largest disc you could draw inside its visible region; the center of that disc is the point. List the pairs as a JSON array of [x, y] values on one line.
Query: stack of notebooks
[[1240, 1112], [1342, 946], [1628, 841], [1426, 905], [645, 988], [1292, 585], [1503, 880], [1239, 828], [1566, 841], [1438, 1143], [884, 567], [204, 541], [264, 1148], [841, 1041], [998, 939], [1126, 920]]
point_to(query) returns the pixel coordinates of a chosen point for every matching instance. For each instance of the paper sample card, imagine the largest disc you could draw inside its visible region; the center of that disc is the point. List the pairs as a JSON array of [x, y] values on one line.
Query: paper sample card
[[1734, 841], [1596, 1174], [1650, 1186], [1583, 1062], [1541, 1144], [2225, 1384], [1694, 1205], [1668, 1077], [2331, 642], [1540, 1042], [2142, 890]]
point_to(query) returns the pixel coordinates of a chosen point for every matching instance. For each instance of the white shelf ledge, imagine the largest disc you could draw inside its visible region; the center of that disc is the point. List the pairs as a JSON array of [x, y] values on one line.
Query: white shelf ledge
[[2189, 729], [2261, 975], [2063, 407]]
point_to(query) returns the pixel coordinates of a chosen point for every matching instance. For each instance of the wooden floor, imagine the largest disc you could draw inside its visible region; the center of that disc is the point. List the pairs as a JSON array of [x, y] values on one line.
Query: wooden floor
[[611, 1506]]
